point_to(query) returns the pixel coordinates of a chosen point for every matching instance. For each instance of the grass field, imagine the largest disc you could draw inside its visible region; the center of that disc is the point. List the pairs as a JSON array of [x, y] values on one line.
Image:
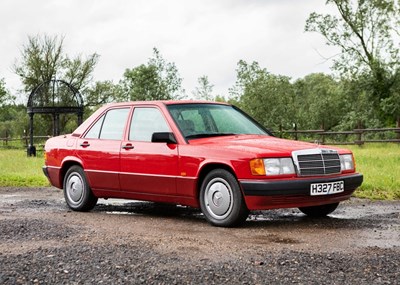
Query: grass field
[[16, 169], [380, 164]]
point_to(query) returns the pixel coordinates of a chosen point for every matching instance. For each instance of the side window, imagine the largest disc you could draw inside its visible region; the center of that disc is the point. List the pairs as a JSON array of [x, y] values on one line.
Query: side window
[[94, 132], [145, 122], [110, 126]]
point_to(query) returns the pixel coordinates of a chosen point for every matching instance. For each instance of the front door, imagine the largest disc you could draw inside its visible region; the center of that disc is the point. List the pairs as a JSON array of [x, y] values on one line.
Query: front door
[[146, 167]]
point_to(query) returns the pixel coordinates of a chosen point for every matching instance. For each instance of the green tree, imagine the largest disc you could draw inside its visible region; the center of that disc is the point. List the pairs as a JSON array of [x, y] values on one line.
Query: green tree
[[3, 92], [269, 98], [357, 111], [43, 59], [102, 92], [321, 105], [7, 112], [13, 120], [391, 105], [5, 96], [367, 32], [204, 90], [156, 80], [78, 71]]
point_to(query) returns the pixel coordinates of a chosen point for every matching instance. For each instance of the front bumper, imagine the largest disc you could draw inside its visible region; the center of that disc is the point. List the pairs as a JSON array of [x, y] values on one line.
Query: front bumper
[[265, 195], [297, 186]]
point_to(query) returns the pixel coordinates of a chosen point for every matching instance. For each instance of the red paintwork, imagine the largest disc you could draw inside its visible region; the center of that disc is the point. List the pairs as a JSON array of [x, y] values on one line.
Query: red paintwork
[[170, 172], [292, 201]]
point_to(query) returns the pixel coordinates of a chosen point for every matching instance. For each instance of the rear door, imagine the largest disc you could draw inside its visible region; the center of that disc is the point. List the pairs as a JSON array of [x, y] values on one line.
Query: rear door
[[147, 167], [99, 149]]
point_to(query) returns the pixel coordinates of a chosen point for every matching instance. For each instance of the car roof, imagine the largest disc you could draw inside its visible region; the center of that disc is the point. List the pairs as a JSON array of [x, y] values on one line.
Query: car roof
[[160, 103], [164, 102]]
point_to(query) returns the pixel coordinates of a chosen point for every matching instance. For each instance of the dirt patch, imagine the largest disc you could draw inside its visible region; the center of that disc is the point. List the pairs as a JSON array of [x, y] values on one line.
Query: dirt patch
[[42, 241], [33, 229]]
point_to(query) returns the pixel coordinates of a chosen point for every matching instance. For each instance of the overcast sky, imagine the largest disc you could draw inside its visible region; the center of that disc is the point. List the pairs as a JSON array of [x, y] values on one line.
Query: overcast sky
[[202, 37]]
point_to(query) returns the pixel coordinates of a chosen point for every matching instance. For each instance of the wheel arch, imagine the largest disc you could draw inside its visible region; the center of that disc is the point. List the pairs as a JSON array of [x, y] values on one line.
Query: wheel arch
[[67, 164], [207, 168], [233, 210]]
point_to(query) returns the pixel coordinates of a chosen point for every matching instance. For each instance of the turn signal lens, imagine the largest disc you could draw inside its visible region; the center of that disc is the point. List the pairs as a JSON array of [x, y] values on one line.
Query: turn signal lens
[[257, 166]]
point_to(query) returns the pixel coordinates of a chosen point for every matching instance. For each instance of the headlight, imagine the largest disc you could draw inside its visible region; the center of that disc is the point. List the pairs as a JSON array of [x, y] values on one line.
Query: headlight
[[346, 162], [272, 166]]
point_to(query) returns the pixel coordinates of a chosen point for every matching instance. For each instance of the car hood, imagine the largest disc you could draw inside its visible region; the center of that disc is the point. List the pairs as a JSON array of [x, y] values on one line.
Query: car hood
[[258, 144]]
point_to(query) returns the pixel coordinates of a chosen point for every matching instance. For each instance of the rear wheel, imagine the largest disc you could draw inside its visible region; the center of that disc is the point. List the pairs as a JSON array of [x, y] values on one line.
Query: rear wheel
[[319, 211], [77, 192], [221, 199]]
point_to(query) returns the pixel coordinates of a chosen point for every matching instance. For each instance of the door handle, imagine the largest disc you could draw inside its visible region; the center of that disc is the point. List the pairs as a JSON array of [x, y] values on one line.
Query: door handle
[[128, 146], [85, 144]]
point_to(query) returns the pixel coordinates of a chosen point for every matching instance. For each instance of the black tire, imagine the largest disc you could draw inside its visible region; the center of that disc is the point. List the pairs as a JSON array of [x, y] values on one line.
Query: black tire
[[319, 211], [221, 199], [77, 192]]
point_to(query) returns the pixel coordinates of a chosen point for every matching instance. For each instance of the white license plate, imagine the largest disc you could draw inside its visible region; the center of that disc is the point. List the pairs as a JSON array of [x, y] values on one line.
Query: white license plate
[[326, 188]]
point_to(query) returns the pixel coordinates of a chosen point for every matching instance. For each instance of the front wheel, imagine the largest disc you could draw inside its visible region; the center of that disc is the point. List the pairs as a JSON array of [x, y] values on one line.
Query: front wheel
[[221, 199], [319, 211], [77, 192]]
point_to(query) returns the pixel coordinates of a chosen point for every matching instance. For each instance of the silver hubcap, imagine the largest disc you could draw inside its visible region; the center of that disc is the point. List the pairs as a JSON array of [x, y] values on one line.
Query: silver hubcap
[[218, 198], [75, 188]]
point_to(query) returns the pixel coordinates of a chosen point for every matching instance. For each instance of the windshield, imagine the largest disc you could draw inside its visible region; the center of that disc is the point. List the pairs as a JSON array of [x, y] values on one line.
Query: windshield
[[206, 120]]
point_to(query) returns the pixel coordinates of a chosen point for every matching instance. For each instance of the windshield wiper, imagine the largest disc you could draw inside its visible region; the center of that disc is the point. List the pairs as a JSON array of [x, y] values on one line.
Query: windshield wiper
[[208, 135]]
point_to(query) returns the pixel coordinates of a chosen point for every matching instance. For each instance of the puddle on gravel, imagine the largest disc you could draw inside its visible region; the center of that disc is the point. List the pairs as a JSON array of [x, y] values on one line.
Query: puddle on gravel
[[11, 198], [273, 238], [346, 216], [129, 207], [122, 213], [375, 224]]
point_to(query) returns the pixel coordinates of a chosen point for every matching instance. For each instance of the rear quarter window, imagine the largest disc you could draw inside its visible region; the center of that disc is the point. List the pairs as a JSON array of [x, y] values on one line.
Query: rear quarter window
[[110, 126]]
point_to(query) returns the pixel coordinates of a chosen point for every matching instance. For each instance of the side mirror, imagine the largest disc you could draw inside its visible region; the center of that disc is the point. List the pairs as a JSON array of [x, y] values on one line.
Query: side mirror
[[163, 137]]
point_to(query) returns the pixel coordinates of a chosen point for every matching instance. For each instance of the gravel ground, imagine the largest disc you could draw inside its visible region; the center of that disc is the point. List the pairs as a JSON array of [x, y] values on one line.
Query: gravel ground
[[141, 264], [120, 242]]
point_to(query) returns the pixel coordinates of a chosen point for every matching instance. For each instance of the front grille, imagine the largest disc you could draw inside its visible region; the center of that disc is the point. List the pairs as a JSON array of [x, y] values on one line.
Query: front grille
[[317, 162]]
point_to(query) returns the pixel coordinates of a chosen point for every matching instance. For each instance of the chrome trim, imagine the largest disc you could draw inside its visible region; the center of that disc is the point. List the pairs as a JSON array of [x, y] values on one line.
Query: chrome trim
[[323, 168], [140, 174], [101, 171], [55, 167]]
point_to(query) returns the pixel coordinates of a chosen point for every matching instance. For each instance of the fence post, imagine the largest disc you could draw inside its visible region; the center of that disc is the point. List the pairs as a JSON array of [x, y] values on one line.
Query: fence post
[[25, 138], [359, 140], [295, 132]]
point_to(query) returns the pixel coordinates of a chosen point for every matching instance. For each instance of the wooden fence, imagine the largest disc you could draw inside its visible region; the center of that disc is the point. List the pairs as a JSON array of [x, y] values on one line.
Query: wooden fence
[[354, 137], [22, 142]]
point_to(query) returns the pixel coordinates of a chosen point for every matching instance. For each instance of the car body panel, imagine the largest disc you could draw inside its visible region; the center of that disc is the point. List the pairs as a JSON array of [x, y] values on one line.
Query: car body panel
[[173, 172], [149, 166], [104, 175]]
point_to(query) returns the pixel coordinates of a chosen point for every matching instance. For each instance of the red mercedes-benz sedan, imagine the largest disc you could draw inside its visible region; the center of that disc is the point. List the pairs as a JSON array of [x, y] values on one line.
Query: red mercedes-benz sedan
[[206, 155]]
